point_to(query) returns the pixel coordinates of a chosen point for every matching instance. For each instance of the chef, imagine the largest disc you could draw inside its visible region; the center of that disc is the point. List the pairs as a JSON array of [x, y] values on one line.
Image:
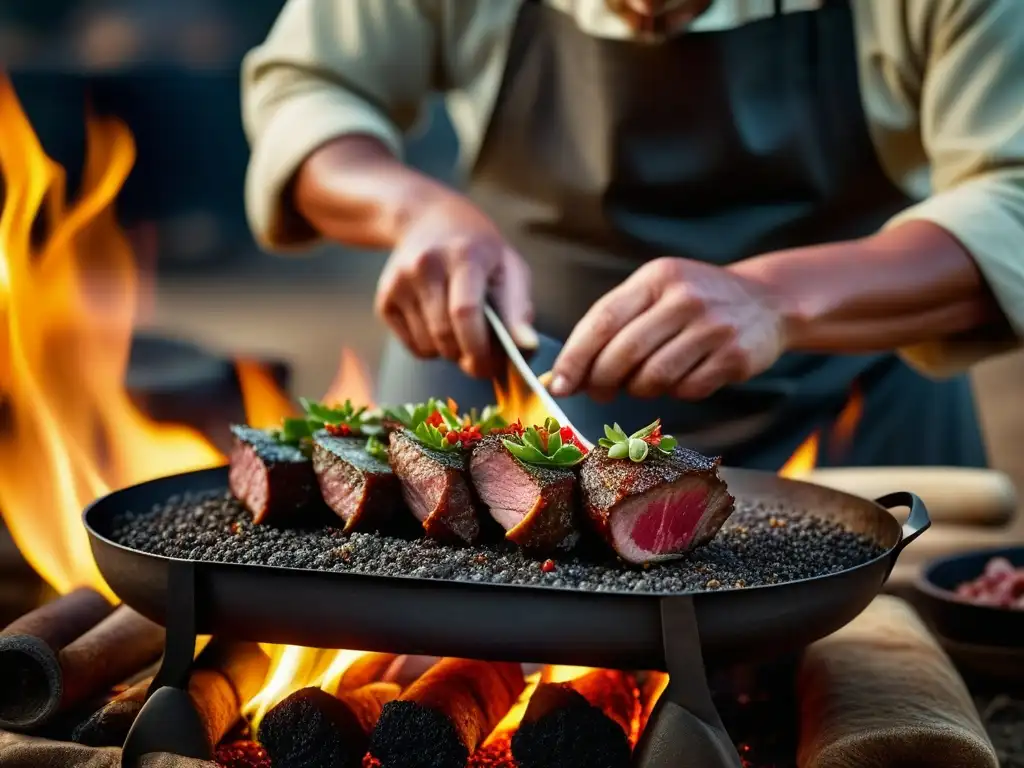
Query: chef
[[731, 214]]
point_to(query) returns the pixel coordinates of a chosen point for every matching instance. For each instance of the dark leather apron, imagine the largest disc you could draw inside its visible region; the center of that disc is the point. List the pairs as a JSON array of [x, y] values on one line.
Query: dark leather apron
[[602, 154]]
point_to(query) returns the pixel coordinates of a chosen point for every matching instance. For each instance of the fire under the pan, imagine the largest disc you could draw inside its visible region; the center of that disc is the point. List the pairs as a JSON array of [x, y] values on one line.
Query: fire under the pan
[[758, 545]]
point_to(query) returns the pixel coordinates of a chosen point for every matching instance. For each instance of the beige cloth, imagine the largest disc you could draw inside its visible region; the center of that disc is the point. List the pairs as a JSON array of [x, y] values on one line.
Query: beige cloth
[[27, 752], [881, 693], [940, 83]]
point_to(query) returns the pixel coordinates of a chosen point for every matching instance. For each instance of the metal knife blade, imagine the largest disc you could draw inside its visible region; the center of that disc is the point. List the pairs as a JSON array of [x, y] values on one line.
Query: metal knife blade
[[527, 374]]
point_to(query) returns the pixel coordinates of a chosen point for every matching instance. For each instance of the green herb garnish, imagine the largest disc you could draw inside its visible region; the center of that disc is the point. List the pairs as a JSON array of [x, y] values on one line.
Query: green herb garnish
[[340, 421], [488, 420], [376, 448], [343, 420], [544, 447], [293, 431], [411, 415], [635, 447], [442, 430]]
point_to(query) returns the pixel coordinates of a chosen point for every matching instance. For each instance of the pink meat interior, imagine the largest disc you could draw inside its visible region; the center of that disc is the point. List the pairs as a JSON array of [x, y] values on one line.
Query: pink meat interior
[[423, 484], [504, 487], [343, 489], [248, 481], [668, 520]]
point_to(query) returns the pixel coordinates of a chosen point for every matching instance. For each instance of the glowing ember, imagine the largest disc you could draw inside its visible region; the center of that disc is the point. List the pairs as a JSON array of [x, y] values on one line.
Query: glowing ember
[[68, 299]]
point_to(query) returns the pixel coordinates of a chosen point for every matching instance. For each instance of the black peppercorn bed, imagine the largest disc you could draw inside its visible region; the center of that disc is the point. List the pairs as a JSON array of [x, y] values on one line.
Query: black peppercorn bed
[[324, 589]]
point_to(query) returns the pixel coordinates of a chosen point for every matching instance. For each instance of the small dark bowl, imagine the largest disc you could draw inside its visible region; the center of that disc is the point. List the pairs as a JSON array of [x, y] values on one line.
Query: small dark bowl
[[956, 618]]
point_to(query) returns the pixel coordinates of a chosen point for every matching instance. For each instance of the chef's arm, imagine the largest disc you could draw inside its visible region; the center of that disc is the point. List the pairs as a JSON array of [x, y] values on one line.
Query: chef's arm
[[944, 281], [336, 83]]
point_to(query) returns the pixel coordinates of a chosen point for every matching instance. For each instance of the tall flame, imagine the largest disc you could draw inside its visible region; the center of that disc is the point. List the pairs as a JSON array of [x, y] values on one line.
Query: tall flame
[[68, 297], [805, 457], [516, 400]]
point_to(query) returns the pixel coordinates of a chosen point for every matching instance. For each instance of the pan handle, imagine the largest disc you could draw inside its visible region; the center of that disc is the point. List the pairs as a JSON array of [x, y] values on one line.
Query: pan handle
[[917, 523]]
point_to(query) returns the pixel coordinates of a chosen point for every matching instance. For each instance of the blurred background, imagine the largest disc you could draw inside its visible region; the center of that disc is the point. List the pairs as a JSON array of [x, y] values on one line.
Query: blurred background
[[170, 70]]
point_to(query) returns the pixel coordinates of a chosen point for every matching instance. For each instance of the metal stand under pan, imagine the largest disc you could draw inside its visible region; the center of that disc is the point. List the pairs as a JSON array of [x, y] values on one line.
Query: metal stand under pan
[[685, 728]]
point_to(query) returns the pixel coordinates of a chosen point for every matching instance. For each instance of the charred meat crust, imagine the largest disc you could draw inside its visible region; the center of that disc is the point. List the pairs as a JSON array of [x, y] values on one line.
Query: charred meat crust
[[605, 482], [550, 524], [274, 481], [448, 510], [361, 489]]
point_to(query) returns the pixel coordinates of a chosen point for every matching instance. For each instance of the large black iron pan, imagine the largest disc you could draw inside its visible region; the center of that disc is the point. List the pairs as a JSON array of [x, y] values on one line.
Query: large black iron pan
[[511, 623]]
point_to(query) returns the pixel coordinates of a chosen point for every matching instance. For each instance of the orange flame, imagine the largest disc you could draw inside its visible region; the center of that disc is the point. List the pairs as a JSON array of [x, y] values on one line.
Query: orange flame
[[518, 401], [265, 404], [805, 457], [351, 382], [68, 298]]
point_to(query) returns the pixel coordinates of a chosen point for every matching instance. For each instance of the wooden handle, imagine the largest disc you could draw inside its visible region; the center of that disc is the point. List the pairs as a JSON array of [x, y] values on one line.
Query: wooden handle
[[952, 494]]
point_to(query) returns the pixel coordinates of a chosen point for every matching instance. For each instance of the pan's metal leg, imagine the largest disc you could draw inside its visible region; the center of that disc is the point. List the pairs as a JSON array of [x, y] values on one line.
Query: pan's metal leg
[[169, 722], [685, 728]]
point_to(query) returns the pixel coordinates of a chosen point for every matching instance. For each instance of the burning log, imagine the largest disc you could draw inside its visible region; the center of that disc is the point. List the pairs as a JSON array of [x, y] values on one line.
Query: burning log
[[586, 723], [313, 729], [30, 655], [227, 675], [368, 668], [446, 714]]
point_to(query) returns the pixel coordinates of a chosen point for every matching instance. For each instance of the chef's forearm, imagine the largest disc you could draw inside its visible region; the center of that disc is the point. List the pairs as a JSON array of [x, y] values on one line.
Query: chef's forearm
[[355, 191], [909, 284]]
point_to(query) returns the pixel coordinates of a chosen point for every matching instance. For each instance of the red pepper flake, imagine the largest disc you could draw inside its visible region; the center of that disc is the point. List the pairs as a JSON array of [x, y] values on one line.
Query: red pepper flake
[[435, 419], [512, 429], [655, 437], [548, 566], [338, 430], [569, 438]]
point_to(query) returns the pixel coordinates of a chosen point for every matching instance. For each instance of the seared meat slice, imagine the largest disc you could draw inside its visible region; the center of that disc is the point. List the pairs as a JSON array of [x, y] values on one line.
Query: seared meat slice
[[360, 488], [535, 505], [273, 480], [435, 485], [656, 509]]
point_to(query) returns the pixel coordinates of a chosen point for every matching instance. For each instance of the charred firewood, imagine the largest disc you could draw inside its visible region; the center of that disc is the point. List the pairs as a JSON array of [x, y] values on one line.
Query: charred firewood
[[586, 723], [368, 668], [313, 729], [535, 505], [227, 675], [446, 714], [657, 509], [49, 680], [29, 655], [273, 480]]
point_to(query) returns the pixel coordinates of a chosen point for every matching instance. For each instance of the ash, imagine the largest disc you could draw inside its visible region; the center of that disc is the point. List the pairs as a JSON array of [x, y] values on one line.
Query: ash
[[757, 546]]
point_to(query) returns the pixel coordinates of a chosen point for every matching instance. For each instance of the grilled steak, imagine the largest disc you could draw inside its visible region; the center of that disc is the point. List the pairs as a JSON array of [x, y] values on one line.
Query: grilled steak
[[435, 485], [360, 488], [535, 505], [657, 509], [272, 480]]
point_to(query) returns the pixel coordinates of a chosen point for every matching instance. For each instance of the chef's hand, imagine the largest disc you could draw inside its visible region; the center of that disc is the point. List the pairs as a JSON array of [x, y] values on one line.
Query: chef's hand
[[675, 327], [448, 260]]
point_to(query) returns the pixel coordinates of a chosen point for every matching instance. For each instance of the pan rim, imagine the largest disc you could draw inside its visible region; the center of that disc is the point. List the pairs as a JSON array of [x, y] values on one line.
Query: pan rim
[[889, 553]]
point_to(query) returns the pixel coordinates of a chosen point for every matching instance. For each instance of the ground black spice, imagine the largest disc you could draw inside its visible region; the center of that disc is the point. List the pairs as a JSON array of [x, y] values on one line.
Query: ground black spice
[[752, 549]]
